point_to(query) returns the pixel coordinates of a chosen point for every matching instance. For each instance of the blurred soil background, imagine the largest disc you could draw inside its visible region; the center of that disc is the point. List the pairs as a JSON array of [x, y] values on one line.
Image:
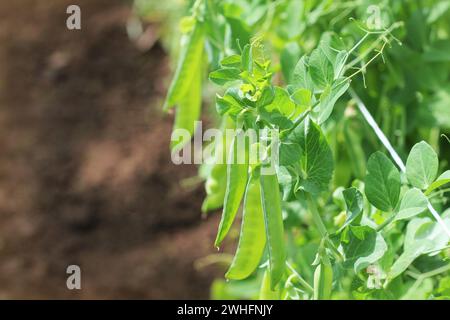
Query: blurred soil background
[[85, 170]]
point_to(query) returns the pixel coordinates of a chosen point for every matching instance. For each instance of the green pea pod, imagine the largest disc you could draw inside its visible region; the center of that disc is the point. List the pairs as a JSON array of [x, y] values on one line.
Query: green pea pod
[[188, 110], [217, 177], [323, 279], [273, 218], [266, 292], [237, 174], [214, 188], [253, 238], [188, 66]]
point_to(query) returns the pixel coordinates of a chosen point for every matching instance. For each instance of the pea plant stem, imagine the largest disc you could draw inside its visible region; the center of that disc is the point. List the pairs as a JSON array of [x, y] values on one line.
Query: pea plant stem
[[381, 136], [439, 193], [386, 222], [321, 226], [302, 281], [421, 277]]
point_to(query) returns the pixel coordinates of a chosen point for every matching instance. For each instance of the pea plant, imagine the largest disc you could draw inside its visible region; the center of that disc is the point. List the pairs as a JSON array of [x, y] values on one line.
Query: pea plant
[[355, 95]]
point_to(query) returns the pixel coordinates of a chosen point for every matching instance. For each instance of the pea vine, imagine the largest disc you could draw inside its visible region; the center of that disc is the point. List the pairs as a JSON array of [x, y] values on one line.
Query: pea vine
[[338, 217]]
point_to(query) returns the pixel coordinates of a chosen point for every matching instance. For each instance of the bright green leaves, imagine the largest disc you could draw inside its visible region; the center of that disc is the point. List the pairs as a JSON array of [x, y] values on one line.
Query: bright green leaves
[[189, 65], [271, 203], [224, 75], [301, 77], [382, 182], [237, 173], [250, 76], [440, 181], [281, 103], [413, 203], [362, 246], [354, 202], [320, 67], [231, 103], [328, 99], [306, 160], [423, 235], [316, 158], [233, 61], [322, 74], [252, 240], [288, 59], [326, 63], [422, 168], [229, 72], [422, 165]]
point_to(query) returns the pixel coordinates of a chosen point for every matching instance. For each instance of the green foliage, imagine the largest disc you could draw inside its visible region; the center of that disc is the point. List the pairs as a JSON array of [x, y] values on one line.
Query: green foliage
[[422, 165], [377, 232], [382, 182]]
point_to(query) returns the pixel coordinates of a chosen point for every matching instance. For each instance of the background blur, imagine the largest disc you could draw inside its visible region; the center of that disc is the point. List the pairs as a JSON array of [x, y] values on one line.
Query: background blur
[[85, 170]]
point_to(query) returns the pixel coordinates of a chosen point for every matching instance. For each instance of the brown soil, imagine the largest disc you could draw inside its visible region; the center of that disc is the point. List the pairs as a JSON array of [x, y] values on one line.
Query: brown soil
[[85, 171]]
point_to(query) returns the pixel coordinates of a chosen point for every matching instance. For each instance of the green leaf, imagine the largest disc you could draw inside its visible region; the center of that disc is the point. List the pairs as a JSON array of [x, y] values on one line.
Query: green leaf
[[301, 77], [290, 153], [302, 97], [333, 48], [339, 63], [224, 75], [422, 165], [268, 95], [382, 182], [230, 103], [247, 59], [281, 102], [440, 181], [189, 64], [328, 99], [233, 61], [423, 235], [354, 203], [320, 68], [363, 247], [413, 203], [316, 160], [288, 59]]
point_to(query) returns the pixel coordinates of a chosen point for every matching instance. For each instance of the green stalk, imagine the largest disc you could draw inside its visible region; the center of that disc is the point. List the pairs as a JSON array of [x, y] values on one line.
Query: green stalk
[[385, 223], [302, 281], [321, 226]]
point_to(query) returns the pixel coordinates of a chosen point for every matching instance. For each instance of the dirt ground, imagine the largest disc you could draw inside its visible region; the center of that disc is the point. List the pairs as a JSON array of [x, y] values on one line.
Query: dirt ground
[[85, 171]]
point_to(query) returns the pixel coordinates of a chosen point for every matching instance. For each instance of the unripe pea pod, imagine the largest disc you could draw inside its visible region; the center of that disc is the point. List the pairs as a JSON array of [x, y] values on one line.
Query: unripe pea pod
[[323, 276]]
